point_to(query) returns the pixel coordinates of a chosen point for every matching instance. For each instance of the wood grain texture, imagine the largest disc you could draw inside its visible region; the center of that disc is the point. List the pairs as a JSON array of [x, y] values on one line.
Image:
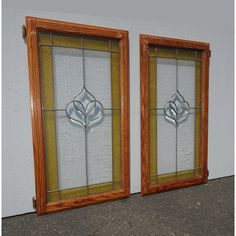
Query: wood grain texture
[[36, 116], [174, 185], [146, 41], [125, 117], [177, 43], [145, 145], [34, 25], [84, 201], [75, 28], [205, 89]]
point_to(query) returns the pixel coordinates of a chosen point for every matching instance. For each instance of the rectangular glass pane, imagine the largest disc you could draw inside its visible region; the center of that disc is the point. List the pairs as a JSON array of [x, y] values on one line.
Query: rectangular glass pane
[[166, 146], [81, 106], [70, 153], [175, 112]]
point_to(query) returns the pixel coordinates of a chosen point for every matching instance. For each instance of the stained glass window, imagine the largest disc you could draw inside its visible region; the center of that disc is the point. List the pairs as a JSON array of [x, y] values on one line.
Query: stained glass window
[[174, 88]]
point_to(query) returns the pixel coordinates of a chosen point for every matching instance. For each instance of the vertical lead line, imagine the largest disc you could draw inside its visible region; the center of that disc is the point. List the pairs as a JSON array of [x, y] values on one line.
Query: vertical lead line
[[177, 69], [86, 158], [85, 128], [176, 148], [176, 133], [83, 61], [195, 111]]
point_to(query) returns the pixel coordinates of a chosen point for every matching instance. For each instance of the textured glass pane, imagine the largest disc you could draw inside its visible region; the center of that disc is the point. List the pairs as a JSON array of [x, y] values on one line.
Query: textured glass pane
[[100, 152], [187, 81], [68, 77], [68, 74], [98, 76], [70, 153], [166, 144], [185, 144], [166, 83]]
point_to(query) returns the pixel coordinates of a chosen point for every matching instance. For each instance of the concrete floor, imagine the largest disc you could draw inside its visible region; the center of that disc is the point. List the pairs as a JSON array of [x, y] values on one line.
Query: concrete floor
[[200, 210]]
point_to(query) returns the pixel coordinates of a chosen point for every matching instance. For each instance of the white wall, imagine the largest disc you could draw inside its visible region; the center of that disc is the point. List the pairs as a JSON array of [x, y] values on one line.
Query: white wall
[[213, 24]]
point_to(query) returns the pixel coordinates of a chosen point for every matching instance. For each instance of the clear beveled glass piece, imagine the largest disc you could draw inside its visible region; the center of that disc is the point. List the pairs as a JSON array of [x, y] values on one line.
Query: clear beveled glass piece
[[177, 109], [84, 109]]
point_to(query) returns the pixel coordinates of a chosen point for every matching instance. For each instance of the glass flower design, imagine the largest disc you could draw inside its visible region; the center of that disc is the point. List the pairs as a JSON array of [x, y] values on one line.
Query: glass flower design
[[84, 109], [176, 109]]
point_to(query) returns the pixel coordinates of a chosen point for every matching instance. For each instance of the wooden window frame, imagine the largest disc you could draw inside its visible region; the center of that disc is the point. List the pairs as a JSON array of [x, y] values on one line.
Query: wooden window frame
[[145, 42], [33, 25]]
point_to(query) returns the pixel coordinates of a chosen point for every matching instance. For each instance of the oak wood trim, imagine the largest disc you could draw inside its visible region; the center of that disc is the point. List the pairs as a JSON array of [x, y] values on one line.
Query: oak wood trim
[[204, 117], [125, 116], [145, 42], [75, 28], [33, 25], [171, 42], [84, 201], [174, 185], [145, 172], [36, 116]]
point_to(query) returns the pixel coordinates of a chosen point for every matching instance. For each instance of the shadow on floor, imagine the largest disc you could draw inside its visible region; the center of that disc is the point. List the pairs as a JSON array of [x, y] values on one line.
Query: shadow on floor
[[202, 210]]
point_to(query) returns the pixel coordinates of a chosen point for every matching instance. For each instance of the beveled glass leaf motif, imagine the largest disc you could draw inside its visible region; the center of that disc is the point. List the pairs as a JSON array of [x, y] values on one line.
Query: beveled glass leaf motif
[[177, 109], [84, 109]]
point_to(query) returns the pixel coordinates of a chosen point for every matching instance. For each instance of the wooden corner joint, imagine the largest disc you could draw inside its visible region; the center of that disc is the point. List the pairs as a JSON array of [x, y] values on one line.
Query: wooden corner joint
[[30, 34], [119, 35], [122, 35], [33, 33], [145, 44]]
